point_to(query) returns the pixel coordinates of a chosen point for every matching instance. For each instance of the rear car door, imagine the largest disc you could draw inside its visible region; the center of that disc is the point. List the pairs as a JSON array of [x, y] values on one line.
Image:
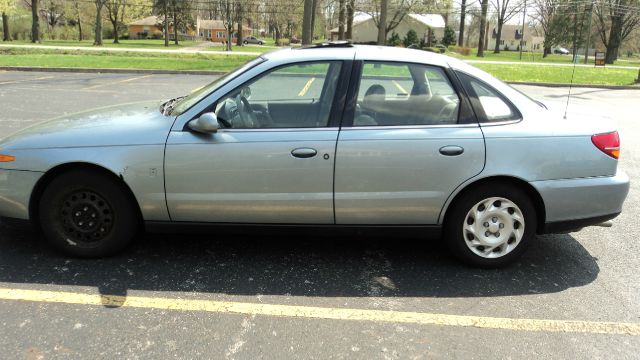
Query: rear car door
[[272, 159], [405, 146]]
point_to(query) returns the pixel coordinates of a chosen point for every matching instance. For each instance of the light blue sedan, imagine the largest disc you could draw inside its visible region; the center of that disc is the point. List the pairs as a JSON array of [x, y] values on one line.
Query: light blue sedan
[[334, 136]]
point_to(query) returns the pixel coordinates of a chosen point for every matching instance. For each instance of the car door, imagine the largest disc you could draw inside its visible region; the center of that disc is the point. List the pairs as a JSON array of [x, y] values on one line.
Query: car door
[[412, 140], [272, 159]]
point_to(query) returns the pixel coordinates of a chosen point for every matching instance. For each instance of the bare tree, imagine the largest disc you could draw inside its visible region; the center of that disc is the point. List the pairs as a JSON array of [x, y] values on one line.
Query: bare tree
[[463, 9], [115, 11], [351, 8], [341, 18], [98, 28], [484, 4], [505, 10], [228, 8], [615, 21], [388, 14], [307, 26]]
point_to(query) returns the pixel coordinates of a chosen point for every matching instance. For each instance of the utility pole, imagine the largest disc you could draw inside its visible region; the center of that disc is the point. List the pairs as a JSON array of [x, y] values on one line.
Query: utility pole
[[586, 49], [524, 16]]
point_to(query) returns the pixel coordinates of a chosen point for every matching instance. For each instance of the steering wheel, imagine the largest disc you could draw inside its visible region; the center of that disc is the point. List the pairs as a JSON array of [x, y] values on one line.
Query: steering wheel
[[249, 119]]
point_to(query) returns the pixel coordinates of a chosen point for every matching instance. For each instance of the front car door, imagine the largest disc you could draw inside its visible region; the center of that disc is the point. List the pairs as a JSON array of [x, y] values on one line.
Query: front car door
[[412, 140], [271, 162]]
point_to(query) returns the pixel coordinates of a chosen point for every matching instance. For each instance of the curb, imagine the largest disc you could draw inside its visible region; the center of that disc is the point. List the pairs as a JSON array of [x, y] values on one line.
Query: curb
[[111, 71], [214, 72]]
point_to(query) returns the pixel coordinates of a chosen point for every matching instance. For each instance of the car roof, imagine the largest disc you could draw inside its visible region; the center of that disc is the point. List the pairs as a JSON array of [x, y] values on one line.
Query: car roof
[[357, 52]]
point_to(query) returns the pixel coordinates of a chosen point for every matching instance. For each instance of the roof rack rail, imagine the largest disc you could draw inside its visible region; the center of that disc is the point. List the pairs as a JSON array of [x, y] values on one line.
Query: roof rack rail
[[329, 44]]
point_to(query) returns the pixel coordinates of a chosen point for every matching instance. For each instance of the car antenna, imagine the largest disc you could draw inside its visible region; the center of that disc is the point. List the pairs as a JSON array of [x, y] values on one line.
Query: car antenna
[[575, 60]]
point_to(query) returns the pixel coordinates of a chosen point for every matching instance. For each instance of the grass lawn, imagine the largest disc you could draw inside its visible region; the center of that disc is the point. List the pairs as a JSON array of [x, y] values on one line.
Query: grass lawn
[[561, 74], [124, 60], [211, 62], [141, 44], [245, 48], [537, 57]]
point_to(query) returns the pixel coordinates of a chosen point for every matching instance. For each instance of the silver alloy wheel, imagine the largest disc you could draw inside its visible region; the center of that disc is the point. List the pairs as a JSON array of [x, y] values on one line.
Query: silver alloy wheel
[[493, 227]]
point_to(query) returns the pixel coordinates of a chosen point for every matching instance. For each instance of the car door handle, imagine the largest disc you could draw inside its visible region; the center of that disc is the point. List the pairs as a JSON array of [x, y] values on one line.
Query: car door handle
[[451, 150], [304, 152]]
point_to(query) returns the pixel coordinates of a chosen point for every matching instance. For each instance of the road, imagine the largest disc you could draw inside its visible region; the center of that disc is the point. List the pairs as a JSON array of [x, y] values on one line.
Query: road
[[178, 296]]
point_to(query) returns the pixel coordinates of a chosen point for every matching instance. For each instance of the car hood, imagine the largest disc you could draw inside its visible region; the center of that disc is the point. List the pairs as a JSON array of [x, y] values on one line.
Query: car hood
[[129, 124]]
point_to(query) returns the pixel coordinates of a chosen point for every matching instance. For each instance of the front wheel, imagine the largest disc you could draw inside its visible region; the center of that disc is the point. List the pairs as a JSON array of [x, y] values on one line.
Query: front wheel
[[87, 214], [491, 225]]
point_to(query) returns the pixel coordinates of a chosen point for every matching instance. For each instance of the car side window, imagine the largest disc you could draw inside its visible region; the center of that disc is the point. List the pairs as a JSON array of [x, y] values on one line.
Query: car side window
[[403, 94], [493, 105], [292, 96]]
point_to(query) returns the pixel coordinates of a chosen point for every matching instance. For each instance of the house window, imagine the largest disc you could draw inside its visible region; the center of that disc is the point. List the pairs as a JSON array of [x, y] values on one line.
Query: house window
[[220, 34], [501, 42], [145, 29], [524, 43]]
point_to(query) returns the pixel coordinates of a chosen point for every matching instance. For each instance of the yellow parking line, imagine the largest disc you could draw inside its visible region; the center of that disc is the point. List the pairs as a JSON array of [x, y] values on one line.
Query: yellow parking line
[[537, 325], [397, 84], [118, 82], [306, 87], [25, 80]]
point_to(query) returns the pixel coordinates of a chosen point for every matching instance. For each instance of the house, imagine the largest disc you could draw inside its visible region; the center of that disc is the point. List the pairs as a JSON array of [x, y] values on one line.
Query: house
[[215, 30], [511, 36], [144, 28], [365, 30], [151, 26]]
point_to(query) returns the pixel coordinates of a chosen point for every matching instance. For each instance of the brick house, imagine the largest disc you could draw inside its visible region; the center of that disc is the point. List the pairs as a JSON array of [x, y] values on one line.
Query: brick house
[[215, 31]]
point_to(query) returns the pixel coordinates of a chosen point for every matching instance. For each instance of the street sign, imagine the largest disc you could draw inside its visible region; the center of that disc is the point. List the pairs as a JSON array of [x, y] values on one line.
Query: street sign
[[600, 57]]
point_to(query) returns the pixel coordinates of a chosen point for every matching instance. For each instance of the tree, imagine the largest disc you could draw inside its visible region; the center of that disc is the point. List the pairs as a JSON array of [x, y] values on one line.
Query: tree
[[351, 8], [410, 39], [228, 8], [388, 14], [615, 21], [553, 18], [239, 19], [382, 22], [6, 8], [449, 37], [98, 28], [115, 11], [463, 8], [307, 27], [483, 22], [341, 18], [505, 10], [35, 21]]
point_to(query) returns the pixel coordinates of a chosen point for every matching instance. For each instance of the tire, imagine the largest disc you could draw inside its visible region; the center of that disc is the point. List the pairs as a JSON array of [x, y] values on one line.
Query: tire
[[245, 42], [259, 42], [87, 214], [473, 226]]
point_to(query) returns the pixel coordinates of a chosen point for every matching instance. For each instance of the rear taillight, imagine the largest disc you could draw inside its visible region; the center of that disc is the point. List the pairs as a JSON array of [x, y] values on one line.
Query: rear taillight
[[608, 143]]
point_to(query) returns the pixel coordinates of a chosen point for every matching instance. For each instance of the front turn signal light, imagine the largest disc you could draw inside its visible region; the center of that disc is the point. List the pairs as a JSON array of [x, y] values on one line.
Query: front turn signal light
[[7, 158]]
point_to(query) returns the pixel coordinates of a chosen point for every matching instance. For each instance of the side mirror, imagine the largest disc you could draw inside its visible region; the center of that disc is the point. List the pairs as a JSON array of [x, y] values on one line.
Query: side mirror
[[207, 123]]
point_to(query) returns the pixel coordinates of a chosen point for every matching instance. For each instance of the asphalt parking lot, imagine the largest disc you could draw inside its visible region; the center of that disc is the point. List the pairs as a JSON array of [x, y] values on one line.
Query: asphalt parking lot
[[248, 296]]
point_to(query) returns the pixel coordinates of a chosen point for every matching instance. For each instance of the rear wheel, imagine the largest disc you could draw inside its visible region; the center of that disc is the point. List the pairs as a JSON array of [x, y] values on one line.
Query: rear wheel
[[87, 214], [491, 225]]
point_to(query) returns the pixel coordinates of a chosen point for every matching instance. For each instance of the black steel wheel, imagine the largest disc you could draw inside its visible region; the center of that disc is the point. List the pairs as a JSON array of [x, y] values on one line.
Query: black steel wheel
[[88, 214]]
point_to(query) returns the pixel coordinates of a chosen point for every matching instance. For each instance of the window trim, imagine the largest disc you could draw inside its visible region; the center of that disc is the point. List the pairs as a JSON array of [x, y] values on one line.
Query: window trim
[[337, 103], [477, 105], [466, 115]]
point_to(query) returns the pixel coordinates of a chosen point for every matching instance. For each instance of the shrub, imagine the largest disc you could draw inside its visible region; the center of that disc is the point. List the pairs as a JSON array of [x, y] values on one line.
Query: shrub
[[394, 40], [283, 42], [411, 38], [465, 51], [449, 37]]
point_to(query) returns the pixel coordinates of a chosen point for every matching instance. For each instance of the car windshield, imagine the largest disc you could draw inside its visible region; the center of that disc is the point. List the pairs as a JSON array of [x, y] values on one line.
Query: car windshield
[[188, 101]]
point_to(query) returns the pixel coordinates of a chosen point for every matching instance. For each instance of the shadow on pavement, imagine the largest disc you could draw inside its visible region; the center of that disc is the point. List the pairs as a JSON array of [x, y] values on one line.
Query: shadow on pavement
[[311, 266]]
